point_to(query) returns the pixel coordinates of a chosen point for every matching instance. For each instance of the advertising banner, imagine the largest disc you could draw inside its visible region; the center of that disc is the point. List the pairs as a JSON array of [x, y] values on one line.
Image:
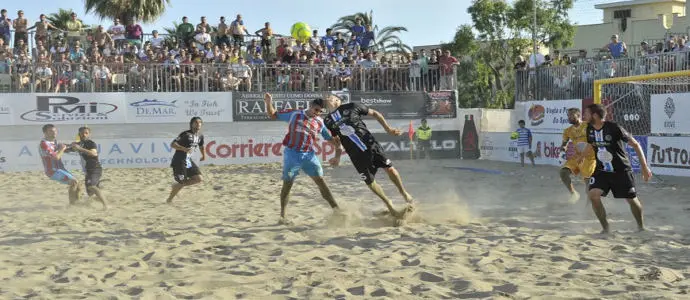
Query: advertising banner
[[444, 144], [669, 155], [549, 116], [545, 147], [634, 159], [6, 111], [178, 107], [256, 149], [249, 106], [410, 105], [668, 113], [77, 108]]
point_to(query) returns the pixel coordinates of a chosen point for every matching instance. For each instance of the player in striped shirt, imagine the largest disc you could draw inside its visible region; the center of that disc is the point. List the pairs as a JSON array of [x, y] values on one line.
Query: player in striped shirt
[[51, 155], [299, 153], [524, 143]]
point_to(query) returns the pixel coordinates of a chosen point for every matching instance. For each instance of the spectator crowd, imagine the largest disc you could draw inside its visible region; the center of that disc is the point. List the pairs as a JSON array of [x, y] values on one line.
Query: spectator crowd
[[562, 77], [201, 57]]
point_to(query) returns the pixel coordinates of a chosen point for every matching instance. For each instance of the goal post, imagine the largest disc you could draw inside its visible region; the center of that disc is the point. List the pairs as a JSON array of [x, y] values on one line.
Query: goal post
[[628, 99]]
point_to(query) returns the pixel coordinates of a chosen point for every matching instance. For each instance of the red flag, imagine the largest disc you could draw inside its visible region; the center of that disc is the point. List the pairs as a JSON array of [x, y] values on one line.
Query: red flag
[[410, 131]]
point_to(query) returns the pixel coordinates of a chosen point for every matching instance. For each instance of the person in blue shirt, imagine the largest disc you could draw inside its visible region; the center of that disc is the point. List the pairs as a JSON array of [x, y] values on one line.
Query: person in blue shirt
[[367, 39], [300, 145], [358, 29], [524, 143], [328, 40]]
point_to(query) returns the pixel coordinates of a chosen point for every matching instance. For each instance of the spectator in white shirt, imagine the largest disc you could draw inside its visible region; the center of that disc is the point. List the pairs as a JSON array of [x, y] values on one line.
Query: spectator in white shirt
[[202, 38], [156, 41], [244, 73], [101, 75], [117, 33], [44, 77]]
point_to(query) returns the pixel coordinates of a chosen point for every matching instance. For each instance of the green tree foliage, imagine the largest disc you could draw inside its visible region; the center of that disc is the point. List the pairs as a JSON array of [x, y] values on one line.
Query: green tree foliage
[[146, 11], [386, 39], [499, 33], [60, 18]]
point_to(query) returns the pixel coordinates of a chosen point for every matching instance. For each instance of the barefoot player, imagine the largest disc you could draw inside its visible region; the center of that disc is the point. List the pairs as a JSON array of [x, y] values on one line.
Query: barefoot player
[[299, 153], [93, 171], [346, 125], [613, 171], [185, 171], [578, 164], [51, 155]]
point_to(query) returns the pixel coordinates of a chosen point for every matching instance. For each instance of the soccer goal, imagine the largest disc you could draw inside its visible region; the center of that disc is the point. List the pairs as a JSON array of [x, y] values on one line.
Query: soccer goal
[[628, 98]]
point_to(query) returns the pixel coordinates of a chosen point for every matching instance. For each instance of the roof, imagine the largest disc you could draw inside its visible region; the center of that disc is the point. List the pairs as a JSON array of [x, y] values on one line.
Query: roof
[[634, 2]]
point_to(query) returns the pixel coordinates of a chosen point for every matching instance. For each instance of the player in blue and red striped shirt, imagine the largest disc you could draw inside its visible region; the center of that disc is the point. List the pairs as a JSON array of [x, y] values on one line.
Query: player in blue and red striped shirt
[[299, 153], [51, 155]]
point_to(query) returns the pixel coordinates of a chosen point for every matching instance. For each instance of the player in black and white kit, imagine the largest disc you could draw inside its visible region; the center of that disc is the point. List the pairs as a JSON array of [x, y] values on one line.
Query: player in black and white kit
[[185, 171], [346, 125], [88, 150], [614, 171]]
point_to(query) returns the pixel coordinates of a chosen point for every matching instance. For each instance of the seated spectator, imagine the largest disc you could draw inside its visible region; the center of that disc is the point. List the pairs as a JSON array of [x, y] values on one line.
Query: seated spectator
[[77, 54], [339, 42], [290, 57], [283, 80], [201, 39], [101, 75], [204, 25], [156, 41], [257, 60], [80, 80], [616, 48], [344, 75], [328, 41], [44, 77], [353, 45], [242, 71], [22, 69], [5, 64]]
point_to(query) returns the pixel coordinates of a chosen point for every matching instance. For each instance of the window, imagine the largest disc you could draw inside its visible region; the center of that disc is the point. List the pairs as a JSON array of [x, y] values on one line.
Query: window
[[621, 14]]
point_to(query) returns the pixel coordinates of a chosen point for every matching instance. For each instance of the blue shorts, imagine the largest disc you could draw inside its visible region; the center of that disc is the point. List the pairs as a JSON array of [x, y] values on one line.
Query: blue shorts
[[294, 160], [62, 176]]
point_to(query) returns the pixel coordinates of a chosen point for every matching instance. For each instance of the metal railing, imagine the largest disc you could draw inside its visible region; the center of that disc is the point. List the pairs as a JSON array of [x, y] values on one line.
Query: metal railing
[[576, 81], [28, 77]]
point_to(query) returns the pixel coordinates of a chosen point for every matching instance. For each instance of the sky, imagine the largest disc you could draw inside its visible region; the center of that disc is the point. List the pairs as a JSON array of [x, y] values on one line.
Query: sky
[[428, 24]]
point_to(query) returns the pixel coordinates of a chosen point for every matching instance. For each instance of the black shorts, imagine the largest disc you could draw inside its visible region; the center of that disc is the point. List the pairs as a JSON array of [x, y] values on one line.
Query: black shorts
[[182, 174], [621, 184], [368, 162], [92, 178]]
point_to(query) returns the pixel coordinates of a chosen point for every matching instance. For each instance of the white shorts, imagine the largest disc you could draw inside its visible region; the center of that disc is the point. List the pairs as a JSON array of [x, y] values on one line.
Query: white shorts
[[524, 149]]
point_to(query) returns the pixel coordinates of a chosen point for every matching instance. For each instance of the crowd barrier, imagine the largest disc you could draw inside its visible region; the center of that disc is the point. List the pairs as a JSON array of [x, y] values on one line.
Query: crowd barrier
[[576, 81], [461, 134], [65, 77]]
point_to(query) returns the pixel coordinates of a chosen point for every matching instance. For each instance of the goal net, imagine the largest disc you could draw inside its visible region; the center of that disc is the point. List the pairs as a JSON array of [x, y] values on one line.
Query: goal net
[[629, 99]]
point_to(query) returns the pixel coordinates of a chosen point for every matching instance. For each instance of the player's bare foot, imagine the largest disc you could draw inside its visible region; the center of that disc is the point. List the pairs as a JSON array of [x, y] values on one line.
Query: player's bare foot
[[408, 198], [574, 197]]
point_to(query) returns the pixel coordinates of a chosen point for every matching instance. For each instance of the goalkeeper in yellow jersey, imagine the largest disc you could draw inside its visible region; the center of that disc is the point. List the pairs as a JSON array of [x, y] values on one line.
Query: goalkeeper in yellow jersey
[[580, 163]]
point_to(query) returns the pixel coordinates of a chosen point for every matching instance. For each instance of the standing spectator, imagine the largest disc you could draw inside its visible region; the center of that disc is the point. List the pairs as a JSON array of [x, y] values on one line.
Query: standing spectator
[[42, 27], [101, 38], [339, 42], [315, 40], [367, 39], [5, 27], [328, 41], [238, 31], [266, 34], [134, 32], [617, 48], [204, 25], [358, 29], [20, 28], [447, 65], [117, 33], [222, 37], [415, 72], [185, 32], [74, 29]]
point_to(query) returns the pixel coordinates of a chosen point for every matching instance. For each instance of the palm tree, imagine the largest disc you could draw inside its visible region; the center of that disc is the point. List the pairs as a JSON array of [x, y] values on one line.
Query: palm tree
[[60, 18], [386, 39], [147, 11]]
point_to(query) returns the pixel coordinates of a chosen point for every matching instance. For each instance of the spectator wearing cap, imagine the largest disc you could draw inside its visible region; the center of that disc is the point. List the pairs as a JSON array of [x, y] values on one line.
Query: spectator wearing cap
[[5, 26], [42, 27], [238, 31], [21, 25], [328, 41], [185, 32], [367, 39], [617, 48], [222, 37]]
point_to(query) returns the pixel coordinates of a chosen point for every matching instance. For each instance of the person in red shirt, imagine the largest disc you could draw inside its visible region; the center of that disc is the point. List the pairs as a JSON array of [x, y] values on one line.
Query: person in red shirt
[[447, 64], [51, 155]]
